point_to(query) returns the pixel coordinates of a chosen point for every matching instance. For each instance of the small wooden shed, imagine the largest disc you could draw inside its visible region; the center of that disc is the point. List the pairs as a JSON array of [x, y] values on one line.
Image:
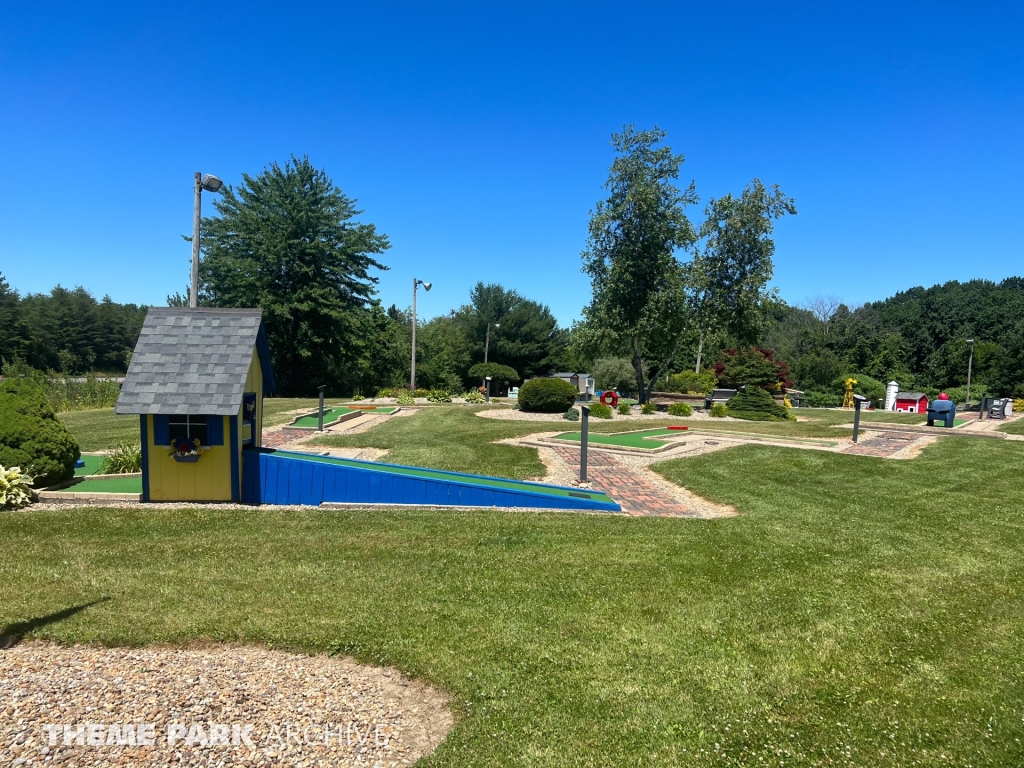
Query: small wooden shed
[[197, 379], [911, 402]]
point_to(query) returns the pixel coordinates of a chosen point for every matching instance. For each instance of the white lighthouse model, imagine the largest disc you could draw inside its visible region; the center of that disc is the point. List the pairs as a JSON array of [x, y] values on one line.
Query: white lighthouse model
[[890, 395]]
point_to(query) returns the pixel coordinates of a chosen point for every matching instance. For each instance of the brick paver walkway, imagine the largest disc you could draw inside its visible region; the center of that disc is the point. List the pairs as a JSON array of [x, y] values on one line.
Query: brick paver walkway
[[280, 437], [634, 494], [882, 445]]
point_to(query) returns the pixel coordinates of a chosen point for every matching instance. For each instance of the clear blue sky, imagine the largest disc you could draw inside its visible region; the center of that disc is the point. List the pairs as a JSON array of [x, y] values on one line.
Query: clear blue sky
[[476, 135]]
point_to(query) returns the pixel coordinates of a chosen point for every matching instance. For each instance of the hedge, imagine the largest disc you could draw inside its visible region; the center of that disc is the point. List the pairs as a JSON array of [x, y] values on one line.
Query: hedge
[[547, 396], [31, 437], [755, 404]]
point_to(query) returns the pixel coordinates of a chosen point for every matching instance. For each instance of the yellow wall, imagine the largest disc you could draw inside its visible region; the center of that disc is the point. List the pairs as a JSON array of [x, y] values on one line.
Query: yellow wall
[[209, 479]]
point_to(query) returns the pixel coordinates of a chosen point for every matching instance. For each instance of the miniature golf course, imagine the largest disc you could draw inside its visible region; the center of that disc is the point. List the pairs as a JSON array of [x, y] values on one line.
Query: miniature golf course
[[286, 477], [128, 484], [648, 439], [92, 466], [340, 413]]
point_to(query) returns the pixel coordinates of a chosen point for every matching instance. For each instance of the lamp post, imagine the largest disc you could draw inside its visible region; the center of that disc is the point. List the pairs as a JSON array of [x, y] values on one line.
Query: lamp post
[[487, 380], [487, 339], [426, 286], [970, 362], [210, 184]]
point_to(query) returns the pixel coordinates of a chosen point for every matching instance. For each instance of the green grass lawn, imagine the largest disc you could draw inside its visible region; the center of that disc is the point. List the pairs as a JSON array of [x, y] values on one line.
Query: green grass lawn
[[859, 612], [1013, 428]]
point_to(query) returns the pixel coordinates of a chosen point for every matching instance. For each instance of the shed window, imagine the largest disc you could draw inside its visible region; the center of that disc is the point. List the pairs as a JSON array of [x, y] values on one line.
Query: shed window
[[192, 427]]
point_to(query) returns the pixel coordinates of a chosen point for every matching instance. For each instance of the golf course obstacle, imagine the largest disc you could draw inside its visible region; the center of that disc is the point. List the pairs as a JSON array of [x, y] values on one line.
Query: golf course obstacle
[[287, 477], [340, 413]]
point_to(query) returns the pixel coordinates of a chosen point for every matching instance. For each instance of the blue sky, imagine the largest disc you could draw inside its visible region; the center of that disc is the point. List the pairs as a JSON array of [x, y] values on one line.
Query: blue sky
[[476, 135]]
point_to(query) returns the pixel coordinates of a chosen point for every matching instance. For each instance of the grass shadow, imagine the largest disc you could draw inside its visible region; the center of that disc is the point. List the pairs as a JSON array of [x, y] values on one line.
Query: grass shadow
[[13, 634]]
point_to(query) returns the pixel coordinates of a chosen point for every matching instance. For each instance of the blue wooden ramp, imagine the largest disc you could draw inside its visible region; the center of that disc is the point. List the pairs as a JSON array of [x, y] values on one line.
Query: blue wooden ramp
[[286, 477]]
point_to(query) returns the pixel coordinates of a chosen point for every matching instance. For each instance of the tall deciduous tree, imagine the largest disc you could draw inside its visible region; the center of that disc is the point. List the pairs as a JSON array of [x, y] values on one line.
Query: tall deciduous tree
[[729, 277], [287, 241], [639, 301]]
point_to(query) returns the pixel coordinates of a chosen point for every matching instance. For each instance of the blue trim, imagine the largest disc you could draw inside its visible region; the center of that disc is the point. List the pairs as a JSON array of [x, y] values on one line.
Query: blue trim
[[215, 430], [145, 457], [161, 429], [236, 480], [263, 351]]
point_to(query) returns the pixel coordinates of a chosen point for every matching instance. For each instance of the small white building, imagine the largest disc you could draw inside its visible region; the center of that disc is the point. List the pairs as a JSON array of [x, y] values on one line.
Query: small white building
[[584, 382]]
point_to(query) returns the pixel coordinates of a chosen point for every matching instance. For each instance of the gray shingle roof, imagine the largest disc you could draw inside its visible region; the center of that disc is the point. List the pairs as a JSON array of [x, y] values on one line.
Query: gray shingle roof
[[190, 361], [909, 395]]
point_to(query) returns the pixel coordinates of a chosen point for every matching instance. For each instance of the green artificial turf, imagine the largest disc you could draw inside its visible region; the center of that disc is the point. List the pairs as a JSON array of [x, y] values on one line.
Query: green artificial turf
[[331, 415], [93, 464], [106, 485], [858, 612], [647, 439], [472, 479]]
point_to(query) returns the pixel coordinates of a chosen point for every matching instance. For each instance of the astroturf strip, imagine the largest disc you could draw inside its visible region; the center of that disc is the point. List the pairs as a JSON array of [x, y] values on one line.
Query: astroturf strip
[[333, 414], [482, 480], [106, 485], [645, 438], [92, 466]]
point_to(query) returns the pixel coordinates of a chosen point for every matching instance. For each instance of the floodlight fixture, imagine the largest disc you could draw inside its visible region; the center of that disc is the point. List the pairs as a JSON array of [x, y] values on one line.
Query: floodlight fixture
[[211, 183]]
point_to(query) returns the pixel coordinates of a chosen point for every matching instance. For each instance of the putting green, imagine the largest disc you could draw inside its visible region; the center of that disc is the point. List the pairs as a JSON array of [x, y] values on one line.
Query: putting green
[[106, 485], [92, 466], [331, 415], [460, 477]]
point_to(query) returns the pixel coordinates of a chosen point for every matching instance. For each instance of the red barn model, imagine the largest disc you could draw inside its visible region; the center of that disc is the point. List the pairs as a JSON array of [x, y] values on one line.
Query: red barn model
[[911, 402]]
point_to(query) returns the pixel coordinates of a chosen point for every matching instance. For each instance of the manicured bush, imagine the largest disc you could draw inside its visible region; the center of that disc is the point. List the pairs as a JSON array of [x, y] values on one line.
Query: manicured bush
[[1018, 405], [601, 411], [31, 437], [501, 375], [692, 382], [547, 396], [648, 408], [356, 398], [439, 396], [123, 459], [571, 415], [719, 410], [15, 488], [680, 409], [625, 409], [473, 396], [755, 404]]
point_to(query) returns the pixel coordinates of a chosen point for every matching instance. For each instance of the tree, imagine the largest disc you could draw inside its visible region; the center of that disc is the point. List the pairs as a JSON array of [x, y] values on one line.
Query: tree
[[614, 373], [639, 287], [501, 375], [529, 339], [286, 241], [730, 275]]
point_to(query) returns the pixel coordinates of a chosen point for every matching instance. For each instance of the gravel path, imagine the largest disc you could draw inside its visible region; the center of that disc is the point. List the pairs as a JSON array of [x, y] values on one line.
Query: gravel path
[[371, 716], [507, 414]]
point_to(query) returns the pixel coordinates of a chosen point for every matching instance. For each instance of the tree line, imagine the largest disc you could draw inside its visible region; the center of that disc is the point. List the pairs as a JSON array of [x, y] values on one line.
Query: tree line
[[669, 297]]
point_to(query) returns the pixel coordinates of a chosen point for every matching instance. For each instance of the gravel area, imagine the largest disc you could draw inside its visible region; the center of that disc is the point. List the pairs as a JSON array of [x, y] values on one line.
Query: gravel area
[[370, 716], [507, 414]]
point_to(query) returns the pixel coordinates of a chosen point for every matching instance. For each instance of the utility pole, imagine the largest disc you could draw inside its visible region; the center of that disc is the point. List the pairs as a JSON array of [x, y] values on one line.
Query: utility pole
[[193, 296], [970, 362]]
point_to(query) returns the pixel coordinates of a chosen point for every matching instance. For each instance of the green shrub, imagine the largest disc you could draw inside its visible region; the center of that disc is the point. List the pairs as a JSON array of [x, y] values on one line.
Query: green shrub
[[31, 437], [439, 396], [501, 375], [871, 388], [823, 400], [625, 409], [65, 393], [719, 410], [385, 392], [474, 396], [752, 367], [15, 488], [405, 397], [571, 415], [648, 408], [691, 381], [547, 396], [601, 411], [680, 409], [123, 459], [614, 373], [357, 398], [421, 393], [755, 404]]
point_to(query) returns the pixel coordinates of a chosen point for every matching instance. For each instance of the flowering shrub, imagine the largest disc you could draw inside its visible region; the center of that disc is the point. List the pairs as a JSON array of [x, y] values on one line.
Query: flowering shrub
[[648, 408], [624, 409], [601, 411], [680, 409], [15, 488]]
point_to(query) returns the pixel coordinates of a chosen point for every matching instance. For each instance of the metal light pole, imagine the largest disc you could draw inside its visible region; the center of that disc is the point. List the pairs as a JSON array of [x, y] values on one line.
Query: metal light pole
[[487, 380], [426, 286], [487, 339], [210, 184], [970, 362], [320, 420]]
